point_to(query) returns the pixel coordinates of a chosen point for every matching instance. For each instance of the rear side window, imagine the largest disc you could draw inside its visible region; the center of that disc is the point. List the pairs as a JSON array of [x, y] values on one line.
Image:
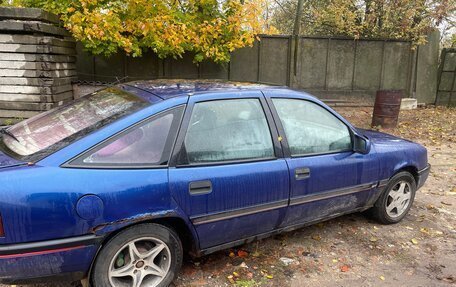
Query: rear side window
[[311, 129], [49, 131], [227, 130], [147, 144]]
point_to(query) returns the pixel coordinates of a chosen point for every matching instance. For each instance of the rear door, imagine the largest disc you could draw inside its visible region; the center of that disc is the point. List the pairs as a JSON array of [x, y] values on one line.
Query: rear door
[[229, 175], [327, 177]]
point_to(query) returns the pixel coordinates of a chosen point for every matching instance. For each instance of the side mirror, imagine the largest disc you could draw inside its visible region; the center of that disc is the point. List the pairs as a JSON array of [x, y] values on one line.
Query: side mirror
[[361, 145]]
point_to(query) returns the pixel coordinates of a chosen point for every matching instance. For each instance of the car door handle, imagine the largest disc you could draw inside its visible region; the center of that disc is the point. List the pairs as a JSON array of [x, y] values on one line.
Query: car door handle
[[302, 173], [200, 187]]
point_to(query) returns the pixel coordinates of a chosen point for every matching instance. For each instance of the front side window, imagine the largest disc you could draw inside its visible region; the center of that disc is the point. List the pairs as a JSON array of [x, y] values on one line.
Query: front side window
[[65, 124], [148, 144], [227, 130], [310, 129]]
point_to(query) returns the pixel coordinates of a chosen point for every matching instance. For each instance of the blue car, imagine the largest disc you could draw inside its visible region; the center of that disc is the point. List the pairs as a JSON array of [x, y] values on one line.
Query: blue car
[[118, 185]]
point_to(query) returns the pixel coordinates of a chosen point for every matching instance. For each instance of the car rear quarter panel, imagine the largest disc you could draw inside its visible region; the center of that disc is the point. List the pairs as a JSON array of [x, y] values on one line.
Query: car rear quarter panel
[[49, 212]]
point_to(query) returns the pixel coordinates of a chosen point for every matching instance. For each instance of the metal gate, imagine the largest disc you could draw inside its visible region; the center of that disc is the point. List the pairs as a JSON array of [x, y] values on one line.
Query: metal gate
[[446, 89]]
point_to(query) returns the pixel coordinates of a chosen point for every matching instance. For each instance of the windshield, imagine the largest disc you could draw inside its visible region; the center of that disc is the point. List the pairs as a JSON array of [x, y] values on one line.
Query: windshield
[[67, 123]]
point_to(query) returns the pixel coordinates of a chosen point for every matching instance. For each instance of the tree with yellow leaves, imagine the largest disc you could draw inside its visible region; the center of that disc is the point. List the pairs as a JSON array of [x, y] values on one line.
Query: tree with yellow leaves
[[393, 19], [209, 29]]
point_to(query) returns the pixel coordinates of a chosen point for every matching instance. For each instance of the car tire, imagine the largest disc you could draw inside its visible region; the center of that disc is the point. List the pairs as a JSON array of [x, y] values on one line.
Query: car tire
[[388, 208], [123, 259]]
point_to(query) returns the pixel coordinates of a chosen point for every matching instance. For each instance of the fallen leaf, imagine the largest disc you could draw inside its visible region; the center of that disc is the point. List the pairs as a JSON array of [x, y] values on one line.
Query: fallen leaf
[[242, 253], [382, 278], [344, 268], [414, 241], [430, 206], [236, 274], [373, 239], [335, 260], [316, 237], [269, 276]]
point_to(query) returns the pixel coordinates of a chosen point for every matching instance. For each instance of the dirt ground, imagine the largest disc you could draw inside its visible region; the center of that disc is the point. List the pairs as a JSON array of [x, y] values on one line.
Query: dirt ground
[[354, 250]]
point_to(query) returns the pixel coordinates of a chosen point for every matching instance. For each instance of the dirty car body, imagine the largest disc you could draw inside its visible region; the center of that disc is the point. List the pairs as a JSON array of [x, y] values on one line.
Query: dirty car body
[[68, 189]]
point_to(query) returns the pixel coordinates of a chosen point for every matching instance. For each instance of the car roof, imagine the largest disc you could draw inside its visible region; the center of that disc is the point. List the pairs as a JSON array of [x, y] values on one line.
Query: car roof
[[165, 89]]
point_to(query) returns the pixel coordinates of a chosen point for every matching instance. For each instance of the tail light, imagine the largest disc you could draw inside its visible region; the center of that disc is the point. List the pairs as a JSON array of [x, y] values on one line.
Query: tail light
[[2, 231]]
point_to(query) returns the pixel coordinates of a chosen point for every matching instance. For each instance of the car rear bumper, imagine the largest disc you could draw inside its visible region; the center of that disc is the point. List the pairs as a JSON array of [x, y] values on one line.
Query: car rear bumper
[[423, 175], [69, 258]]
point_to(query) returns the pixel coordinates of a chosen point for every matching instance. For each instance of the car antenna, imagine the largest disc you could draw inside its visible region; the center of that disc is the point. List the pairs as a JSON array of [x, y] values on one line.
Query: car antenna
[[118, 81]]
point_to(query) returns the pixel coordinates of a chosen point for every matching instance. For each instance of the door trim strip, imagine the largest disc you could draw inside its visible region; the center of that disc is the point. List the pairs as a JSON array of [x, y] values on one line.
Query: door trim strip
[[203, 219], [331, 193]]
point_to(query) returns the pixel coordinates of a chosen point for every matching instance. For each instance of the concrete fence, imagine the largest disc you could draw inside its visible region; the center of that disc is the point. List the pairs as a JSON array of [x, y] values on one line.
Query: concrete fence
[[327, 67]]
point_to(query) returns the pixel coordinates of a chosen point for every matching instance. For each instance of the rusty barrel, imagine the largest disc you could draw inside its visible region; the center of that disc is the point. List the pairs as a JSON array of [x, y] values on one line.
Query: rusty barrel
[[386, 108]]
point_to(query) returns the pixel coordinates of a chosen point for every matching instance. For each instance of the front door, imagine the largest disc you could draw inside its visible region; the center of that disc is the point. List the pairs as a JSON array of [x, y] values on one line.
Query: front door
[[327, 178], [229, 175]]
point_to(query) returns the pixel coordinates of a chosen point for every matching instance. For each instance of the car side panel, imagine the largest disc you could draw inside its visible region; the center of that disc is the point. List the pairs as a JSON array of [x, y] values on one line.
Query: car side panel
[[237, 188], [331, 175], [50, 212]]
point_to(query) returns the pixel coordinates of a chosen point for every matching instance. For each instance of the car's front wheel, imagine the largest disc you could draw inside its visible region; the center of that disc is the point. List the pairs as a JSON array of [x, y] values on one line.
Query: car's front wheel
[[145, 255], [396, 200]]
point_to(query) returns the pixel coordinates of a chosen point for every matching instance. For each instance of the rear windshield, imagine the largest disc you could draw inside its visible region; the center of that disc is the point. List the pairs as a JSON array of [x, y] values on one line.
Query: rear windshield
[[56, 128]]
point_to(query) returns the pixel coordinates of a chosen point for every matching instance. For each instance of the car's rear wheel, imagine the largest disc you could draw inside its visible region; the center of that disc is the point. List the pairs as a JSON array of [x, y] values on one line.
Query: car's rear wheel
[[145, 255], [396, 200]]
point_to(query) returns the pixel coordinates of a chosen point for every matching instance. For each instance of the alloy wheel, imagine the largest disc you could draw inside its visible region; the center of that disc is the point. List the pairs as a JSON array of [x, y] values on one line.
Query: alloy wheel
[[398, 200], [143, 262]]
